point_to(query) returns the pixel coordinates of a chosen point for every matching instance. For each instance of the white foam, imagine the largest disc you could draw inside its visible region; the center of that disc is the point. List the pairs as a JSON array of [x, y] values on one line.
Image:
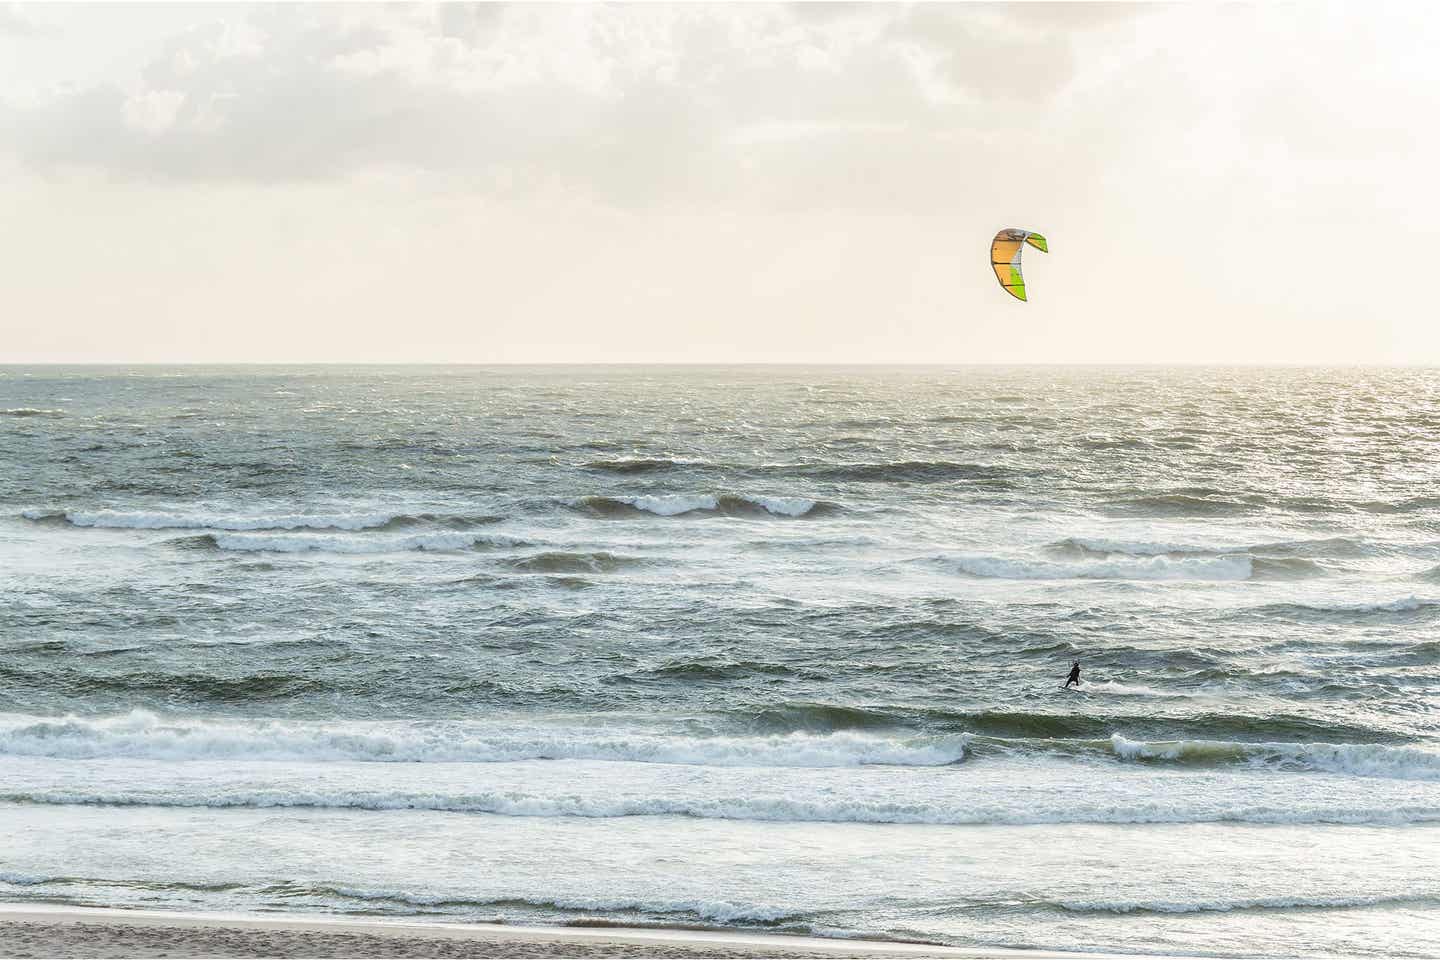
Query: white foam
[[141, 734], [785, 506], [1151, 568], [1128, 689], [671, 506]]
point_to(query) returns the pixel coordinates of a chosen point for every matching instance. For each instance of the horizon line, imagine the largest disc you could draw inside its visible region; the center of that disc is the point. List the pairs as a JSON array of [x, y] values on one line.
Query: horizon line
[[1286, 364]]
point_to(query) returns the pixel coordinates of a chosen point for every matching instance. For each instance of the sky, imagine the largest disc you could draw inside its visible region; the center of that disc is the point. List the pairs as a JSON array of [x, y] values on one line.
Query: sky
[[718, 183]]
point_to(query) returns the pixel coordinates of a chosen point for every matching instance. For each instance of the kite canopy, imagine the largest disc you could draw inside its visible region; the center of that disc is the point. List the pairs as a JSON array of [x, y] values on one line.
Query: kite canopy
[[1005, 252]]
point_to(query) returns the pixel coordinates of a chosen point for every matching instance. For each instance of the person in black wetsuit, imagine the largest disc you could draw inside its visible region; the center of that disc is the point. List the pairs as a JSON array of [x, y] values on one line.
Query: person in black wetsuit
[[1074, 674]]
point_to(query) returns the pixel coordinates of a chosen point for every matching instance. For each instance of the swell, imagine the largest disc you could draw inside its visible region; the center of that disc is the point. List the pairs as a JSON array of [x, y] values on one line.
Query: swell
[[348, 543], [1401, 608], [643, 465], [984, 475], [1059, 724], [989, 476], [1212, 502], [1134, 567], [199, 520], [576, 562], [677, 505], [1123, 568], [1327, 547]]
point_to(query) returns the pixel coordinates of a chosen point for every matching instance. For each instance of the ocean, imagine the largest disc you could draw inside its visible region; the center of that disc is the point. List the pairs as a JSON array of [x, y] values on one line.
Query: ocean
[[773, 648]]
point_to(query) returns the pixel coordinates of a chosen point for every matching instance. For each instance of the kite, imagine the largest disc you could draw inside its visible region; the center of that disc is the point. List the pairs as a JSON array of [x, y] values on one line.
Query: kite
[[1005, 252]]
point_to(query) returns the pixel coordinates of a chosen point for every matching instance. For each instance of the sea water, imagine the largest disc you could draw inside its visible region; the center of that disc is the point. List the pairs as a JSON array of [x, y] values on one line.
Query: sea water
[[770, 648]]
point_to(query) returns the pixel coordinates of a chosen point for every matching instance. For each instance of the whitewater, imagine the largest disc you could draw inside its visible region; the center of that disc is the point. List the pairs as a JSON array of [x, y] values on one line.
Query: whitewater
[[769, 648]]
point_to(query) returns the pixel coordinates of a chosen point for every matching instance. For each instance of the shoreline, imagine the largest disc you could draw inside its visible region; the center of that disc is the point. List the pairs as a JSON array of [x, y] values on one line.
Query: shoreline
[[49, 930]]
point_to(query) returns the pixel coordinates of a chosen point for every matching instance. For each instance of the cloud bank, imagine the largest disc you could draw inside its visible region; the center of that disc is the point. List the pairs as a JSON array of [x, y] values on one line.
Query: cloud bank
[[715, 182]]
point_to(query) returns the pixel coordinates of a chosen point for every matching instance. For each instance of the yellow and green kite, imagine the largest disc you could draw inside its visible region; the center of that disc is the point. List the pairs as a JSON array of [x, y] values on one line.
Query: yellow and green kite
[[1005, 252]]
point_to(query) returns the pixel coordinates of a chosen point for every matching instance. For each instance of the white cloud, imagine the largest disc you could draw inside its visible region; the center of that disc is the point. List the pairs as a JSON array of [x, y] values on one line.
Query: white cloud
[[635, 104], [15, 20], [153, 111]]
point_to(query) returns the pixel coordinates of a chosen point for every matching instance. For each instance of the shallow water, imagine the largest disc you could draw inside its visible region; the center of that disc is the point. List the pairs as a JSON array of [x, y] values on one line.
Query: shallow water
[[773, 647]]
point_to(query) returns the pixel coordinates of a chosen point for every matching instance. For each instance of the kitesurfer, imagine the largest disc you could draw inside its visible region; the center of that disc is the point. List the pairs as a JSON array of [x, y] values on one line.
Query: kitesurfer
[[1074, 674]]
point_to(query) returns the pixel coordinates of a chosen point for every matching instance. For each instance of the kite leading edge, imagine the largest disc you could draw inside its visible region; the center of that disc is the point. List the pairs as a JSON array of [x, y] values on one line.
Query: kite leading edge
[[1005, 252]]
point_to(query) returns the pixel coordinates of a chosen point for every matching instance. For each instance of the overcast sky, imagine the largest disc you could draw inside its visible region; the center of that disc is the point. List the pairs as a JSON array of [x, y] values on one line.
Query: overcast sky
[[717, 183]]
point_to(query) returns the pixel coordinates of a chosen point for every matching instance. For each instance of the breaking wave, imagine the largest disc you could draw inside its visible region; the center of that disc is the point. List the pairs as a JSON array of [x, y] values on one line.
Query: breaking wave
[[141, 734], [1357, 759]]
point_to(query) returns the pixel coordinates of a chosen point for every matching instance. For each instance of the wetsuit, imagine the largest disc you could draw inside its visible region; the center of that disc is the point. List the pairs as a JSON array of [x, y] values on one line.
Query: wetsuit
[[1074, 676]]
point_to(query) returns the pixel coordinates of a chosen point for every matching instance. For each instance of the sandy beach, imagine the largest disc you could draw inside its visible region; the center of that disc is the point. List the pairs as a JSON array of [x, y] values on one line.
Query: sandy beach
[[32, 930]]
